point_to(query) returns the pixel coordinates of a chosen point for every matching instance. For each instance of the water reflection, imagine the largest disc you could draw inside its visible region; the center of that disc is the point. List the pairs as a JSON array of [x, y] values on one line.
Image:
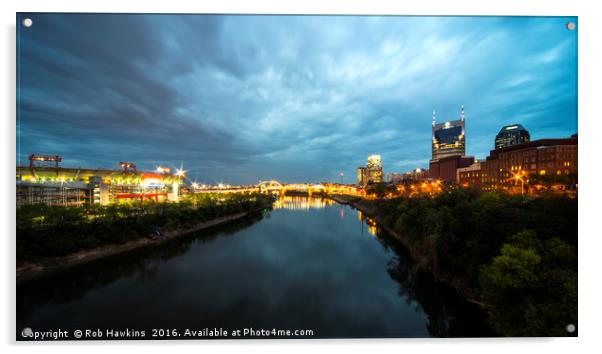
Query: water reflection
[[301, 202], [371, 225], [142, 266], [314, 269], [448, 314]]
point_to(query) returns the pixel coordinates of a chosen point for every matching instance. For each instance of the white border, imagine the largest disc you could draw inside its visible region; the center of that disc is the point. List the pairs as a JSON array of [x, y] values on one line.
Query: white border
[[590, 129]]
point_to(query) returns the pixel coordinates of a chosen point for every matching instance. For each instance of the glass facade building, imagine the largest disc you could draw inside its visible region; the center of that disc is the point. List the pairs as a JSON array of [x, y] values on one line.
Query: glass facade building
[[448, 139], [511, 135]]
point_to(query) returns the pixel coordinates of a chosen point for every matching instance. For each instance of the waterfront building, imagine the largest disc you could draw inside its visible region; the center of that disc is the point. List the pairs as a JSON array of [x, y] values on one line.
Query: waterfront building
[[469, 176], [394, 177], [100, 190], [374, 168], [448, 138], [445, 169], [44, 181], [511, 135], [416, 175], [448, 149], [545, 157], [362, 176]]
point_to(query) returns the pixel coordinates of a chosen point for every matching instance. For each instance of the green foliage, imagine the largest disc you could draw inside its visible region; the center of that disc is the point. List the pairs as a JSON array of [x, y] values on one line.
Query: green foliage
[[52, 231], [379, 189], [529, 277], [532, 286], [514, 269]]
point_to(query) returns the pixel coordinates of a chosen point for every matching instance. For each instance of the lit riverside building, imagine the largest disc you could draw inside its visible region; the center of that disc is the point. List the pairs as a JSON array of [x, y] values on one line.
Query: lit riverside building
[[45, 181], [362, 176], [511, 135], [544, 157], [448, 138], [375, 169], [449, 148]]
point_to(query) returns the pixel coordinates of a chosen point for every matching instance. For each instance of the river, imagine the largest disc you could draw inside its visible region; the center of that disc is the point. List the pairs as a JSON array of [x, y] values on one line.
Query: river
[[308, 264]]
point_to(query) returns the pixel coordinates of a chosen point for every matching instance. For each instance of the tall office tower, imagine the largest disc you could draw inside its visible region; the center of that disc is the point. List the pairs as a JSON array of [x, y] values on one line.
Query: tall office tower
[[362, 176], [375, 169], [449, 138], [512, 135]]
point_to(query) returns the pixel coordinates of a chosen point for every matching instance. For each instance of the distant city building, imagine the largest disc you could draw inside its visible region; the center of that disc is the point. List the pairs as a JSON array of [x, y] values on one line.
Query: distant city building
[[448, 148], [375, 169], [416, 175], [448, 138], [511, 135], [544, 157], [394, 177], [445, 169], [470, 175], [362, 176]]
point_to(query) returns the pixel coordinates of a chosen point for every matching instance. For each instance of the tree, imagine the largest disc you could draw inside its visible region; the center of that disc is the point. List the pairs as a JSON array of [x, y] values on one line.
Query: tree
[[531, 286]]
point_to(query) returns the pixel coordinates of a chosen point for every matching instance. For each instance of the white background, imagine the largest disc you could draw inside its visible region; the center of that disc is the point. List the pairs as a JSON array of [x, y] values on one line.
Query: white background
[[590, 137]]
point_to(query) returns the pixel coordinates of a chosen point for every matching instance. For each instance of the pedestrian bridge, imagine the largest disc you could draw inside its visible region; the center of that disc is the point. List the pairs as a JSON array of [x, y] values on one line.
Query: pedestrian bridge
[[271, 186]]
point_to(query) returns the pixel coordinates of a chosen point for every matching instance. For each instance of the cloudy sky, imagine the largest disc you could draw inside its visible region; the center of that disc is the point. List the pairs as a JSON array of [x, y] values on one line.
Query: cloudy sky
[[293, 98]]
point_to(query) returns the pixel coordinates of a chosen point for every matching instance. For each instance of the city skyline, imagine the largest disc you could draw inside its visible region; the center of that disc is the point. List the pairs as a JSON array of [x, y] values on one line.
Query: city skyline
[[241, 98]]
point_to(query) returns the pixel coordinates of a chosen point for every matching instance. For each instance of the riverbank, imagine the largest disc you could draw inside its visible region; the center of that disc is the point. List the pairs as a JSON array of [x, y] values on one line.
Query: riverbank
[[27, 271], [423, 262]]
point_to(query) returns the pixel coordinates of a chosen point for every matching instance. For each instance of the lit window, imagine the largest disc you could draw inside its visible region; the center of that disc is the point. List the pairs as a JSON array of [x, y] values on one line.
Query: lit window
[[542, 172]]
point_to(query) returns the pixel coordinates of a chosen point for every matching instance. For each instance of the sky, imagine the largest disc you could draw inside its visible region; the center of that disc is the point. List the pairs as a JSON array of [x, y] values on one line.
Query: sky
[[242, 98]]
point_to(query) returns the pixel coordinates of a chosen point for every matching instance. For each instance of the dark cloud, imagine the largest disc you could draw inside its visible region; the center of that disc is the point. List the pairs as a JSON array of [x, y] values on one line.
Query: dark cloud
[[241, 98]]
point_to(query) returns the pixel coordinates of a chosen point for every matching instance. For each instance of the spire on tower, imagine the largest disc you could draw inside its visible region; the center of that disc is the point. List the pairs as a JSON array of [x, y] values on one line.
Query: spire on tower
[[462, 113], [434, 113]]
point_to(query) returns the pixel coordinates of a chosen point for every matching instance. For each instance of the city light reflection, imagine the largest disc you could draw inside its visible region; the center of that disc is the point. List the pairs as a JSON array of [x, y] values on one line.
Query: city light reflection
[[294, 202], [370, 223]]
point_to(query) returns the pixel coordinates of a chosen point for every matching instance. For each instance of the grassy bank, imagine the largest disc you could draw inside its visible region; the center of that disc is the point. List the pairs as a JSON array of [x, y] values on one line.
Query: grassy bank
[[50, 231], [518, 254]]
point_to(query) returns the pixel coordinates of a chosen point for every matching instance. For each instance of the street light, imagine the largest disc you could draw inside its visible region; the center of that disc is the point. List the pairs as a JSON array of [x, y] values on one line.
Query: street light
[[518, 177], [180, 172]]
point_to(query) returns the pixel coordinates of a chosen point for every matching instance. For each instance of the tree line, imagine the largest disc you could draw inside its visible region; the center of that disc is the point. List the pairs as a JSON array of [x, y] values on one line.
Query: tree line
[[518, 253], [54, 231]]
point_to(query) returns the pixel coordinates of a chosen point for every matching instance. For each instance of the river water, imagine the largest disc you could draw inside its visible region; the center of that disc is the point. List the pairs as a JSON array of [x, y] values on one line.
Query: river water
[[309, 264]]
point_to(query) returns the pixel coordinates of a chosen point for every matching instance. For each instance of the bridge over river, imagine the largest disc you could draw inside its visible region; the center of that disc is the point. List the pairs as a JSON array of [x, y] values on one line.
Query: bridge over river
[[266, 187]]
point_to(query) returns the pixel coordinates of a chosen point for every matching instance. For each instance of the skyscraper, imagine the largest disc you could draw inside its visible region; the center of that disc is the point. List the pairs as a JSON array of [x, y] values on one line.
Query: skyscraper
[[448, 138], [375, 169], [362, 176], [449, 149], [511, 135]]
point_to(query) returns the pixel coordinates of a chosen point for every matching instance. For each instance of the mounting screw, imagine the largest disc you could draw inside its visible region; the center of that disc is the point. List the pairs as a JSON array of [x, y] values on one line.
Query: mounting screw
[[570, 328]]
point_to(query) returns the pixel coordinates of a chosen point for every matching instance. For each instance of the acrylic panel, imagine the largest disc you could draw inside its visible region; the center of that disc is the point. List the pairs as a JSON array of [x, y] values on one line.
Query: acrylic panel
[[190, 176]]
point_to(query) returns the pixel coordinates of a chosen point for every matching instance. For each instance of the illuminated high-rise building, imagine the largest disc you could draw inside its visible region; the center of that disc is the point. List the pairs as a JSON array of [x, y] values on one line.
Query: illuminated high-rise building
[[375, 169], [362, 176], [449, 138], [511, 135]]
